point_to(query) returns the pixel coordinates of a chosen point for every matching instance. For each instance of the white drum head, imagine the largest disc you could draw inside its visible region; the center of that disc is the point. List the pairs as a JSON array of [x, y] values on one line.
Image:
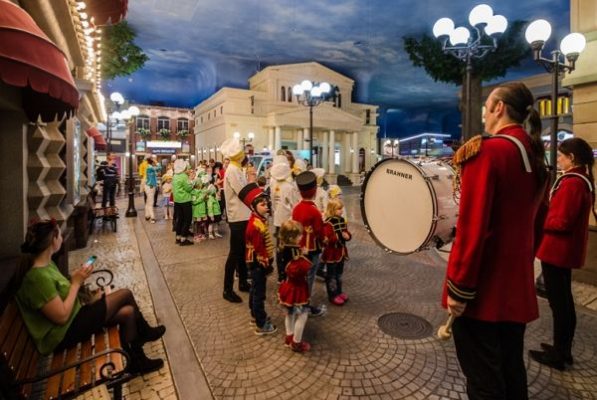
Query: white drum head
[[398, 206]]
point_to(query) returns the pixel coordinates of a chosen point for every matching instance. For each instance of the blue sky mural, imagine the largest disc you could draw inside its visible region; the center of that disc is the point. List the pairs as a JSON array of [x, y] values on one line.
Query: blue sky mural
[[199, 46]]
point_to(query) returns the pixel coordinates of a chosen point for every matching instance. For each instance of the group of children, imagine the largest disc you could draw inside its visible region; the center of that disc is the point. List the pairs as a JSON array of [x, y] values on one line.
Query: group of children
[[306, 240]]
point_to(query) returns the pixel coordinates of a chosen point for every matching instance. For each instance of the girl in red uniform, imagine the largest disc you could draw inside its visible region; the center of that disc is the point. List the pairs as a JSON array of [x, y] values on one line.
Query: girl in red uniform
[[335, 253], [564, 245], [294, 291]]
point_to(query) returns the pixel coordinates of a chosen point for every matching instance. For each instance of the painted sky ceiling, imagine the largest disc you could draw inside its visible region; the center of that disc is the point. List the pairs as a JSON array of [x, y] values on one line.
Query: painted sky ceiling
[[199, 46]]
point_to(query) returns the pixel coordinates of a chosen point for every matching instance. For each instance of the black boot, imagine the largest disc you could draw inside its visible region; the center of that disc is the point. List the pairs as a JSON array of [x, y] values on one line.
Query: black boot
[[140, 363], [146, 332]]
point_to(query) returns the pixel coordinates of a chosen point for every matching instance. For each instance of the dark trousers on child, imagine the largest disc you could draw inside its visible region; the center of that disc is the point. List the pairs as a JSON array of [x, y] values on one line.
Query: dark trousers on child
[[236, 256], [490, 355], [333, 279], [257, 293], [558, 285]]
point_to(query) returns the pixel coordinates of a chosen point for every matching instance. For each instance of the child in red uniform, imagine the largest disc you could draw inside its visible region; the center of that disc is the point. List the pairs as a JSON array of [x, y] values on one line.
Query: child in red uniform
[[335, 253], [564, 245], [294, 291], [307, 214], [259, 254]]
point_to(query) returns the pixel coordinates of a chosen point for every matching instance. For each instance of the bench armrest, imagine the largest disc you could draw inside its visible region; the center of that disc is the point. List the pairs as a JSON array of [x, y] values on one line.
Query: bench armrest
[[105, 370]]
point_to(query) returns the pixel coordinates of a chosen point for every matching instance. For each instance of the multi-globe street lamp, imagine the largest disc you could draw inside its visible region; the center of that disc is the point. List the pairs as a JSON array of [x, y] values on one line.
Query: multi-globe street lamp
[[465, 45], [571, 46], [118, 100], [311, 94], [244, 140]]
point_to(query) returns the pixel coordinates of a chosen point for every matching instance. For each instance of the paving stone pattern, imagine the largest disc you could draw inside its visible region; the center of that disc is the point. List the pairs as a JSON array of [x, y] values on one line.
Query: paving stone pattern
[[119, 253], [350, 357]]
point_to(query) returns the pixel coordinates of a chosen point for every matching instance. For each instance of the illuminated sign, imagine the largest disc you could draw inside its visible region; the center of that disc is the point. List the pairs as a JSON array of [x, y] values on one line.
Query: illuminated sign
[[163, 144]]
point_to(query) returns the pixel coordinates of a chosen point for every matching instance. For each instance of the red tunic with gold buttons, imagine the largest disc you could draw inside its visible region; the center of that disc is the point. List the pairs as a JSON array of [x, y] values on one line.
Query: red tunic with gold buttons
[[334, 247], [307, 213], [566, 228], [260, 248], [491, 262], [294, 291]]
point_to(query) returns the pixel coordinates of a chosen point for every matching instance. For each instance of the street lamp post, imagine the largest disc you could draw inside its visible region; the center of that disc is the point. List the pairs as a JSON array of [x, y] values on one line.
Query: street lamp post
[[466, 46], [571, 46], [244, 140], [133, 111], [311, 94]]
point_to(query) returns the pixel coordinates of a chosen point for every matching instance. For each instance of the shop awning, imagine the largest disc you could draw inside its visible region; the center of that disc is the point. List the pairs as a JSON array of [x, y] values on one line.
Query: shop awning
[[30, 60], [93, 132], [100, 142], [106, 12]]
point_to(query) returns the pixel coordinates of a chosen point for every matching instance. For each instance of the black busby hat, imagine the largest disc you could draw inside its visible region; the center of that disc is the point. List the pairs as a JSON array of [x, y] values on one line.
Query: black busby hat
[[250, 193], [307, 183]]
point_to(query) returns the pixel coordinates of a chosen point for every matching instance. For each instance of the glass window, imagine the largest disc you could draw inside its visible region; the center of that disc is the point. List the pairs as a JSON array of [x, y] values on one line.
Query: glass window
[[143, 122], [163, 123], [367, 117], [283, 94], [182, 124], [339, 100], [289, 94]]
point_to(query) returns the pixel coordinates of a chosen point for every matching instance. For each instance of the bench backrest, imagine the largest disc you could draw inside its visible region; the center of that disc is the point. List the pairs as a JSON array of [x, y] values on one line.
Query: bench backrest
[[18, 354]]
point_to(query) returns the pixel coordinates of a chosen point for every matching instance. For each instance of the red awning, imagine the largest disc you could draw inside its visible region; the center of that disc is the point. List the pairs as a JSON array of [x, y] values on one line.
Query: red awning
[[100, 143], [93, 132], [30, 60], [106, 12]]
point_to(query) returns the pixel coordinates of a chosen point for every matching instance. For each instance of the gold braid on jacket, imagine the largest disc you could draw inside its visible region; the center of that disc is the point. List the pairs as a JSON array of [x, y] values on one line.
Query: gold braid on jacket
[[467, 151]]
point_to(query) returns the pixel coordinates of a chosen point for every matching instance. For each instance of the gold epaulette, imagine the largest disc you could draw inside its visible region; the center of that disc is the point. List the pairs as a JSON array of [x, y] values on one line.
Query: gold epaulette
[[468, 150], [259, 225]]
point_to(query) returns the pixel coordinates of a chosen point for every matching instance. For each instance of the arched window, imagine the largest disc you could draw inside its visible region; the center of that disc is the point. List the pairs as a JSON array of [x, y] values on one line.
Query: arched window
[[339, 100], [182, 124], [163, 123], [142, 121], [289, 94], [283, 94]]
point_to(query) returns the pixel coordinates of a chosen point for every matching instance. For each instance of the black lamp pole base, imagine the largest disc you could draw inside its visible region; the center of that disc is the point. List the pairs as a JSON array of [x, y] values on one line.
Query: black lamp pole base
[[131, 212]]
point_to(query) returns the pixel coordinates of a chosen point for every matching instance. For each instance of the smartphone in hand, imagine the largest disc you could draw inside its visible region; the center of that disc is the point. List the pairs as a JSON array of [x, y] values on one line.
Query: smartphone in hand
[[90, 261]]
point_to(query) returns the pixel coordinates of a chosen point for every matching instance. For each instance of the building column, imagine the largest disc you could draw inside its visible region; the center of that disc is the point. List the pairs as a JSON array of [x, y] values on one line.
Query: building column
[[355, 153], [270, 139], [346, 156], [277, 139], [324, 150], [332, 153], [299, 139]]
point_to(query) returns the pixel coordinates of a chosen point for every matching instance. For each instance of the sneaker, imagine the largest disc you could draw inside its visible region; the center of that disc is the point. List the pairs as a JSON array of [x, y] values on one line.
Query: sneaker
[[199, 238], [318, 311], [178, 240], [186, 242], [216, 234], [153, 221], [344, 296], [300, 347], [288, 340], [211, 236], [232, 297], [338, 301], [267, 329]]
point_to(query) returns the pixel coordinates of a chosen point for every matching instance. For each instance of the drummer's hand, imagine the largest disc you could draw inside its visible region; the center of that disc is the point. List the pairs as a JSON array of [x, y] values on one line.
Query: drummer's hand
[[455, 307]]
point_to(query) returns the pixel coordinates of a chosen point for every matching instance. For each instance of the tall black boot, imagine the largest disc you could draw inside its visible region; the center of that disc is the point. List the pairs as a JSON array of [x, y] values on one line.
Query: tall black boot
[[140, 363], [147, 333]]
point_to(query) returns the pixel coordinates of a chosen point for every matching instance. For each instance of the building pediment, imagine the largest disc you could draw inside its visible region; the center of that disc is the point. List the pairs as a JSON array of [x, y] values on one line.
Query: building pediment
[[324, 116]]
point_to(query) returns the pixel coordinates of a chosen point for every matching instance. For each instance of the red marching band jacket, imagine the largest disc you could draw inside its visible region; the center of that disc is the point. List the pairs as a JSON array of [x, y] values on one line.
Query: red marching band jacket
[[334, 247], [307, 213], [491, 262], [566, 227], [260, 248], [294, 291]]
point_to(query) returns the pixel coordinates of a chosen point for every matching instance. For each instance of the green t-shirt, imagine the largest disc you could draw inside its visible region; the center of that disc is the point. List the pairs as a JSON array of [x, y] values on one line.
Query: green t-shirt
[[39, 286]]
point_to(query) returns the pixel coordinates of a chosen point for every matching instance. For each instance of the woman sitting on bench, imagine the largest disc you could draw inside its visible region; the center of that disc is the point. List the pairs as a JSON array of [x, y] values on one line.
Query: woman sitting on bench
[[54, 315]]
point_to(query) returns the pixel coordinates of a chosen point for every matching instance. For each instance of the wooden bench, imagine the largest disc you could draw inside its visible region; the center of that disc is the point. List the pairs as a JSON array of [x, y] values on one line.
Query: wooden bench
[[99, 360]]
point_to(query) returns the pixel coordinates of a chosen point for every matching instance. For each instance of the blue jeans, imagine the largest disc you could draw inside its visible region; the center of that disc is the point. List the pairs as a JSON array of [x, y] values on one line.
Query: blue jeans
[[314, 258], [257, 294]]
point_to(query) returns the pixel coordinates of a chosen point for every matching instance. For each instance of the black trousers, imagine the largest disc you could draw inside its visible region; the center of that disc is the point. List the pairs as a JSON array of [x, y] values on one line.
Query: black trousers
[[109, 193], [490, 355], [257, 294], [236, 256], [333, 279], [184, 217], [155, 197], [558, 285]]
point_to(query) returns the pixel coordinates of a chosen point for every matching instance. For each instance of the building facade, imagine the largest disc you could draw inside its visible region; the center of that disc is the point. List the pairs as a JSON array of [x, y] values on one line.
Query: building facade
[[268, 117], [163, 131]]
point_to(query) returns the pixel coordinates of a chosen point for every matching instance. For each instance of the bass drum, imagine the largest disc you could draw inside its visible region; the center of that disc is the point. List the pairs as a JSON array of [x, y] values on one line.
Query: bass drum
[[408, 206]]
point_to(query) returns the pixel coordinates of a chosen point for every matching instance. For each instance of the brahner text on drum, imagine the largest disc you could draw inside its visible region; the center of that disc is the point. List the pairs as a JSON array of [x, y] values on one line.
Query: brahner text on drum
[[398, 173]]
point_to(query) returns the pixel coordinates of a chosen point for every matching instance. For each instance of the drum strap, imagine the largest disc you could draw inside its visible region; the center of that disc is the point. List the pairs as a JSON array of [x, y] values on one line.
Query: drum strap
[[556, 184], [523, 152]]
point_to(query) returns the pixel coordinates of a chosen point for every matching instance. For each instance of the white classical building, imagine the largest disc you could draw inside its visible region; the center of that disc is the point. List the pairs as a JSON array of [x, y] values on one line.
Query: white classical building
[[267, 115]]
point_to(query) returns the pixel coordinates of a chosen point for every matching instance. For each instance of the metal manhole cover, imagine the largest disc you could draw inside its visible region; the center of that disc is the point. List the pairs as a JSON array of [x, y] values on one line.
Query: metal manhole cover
[[405, 326]]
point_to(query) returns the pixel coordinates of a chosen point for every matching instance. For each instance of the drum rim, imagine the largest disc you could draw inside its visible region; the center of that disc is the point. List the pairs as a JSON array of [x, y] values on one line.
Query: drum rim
[[433, 198]]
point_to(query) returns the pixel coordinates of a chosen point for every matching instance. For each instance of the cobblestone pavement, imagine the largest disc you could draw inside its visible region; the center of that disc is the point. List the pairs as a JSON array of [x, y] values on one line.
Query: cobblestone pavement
[[350, 357], [119, 253]]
